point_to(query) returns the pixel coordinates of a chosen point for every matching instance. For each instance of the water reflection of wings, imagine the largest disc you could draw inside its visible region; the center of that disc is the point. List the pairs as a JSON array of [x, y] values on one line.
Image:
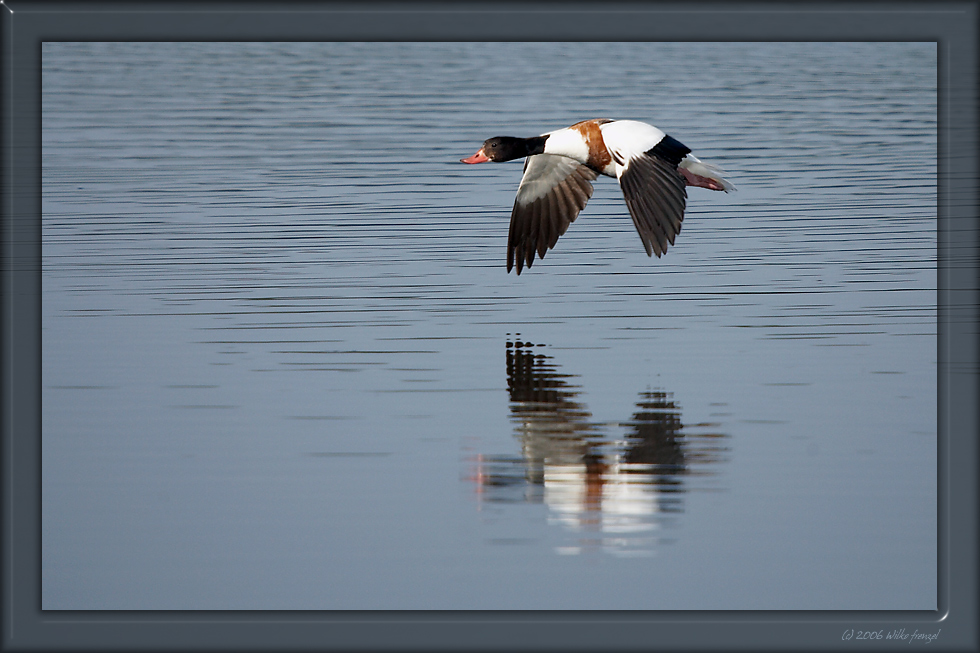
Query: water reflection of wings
[[653, 451], [553, 428], [659, 442], [614, 489]]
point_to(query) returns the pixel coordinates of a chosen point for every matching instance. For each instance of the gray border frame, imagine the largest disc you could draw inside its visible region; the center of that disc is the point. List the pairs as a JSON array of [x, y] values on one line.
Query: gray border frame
[[24, 24]]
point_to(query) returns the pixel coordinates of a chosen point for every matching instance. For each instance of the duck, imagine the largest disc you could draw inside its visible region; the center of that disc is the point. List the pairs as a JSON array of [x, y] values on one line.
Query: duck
[[653, 170]]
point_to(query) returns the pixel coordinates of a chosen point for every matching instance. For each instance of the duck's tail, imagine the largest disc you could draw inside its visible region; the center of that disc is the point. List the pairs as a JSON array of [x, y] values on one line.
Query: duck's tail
[[704, 175]]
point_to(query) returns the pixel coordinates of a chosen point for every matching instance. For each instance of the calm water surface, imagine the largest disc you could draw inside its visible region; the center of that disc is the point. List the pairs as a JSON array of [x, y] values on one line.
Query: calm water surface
[[284, 366]]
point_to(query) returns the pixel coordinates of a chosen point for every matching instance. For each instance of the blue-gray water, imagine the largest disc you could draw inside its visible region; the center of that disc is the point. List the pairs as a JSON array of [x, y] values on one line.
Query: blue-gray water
[[284, 366]]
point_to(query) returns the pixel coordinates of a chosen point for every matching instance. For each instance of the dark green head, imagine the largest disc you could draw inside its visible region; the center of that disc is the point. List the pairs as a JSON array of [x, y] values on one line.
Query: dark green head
[[507, 148]]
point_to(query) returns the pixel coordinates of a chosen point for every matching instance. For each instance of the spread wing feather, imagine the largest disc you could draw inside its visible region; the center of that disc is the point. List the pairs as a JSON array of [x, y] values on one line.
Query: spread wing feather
[[553, 191], [655, 194]]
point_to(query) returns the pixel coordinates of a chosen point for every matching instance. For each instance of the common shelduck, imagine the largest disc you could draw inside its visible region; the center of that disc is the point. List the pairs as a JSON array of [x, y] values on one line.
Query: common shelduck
[[653, 170]]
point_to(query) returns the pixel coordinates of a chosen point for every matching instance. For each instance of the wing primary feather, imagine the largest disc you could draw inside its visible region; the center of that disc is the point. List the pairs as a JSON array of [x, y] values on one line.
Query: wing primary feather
[[675, 196], [555, 217], [656, 198], [553, 191], [569, 209], [519, 219], [641, 211], [658, 213], [570, 205], [523, 230], [649, 209], [539, 228], [655, 207], [636, 212], [526, 218], [544, 228], [532, 234]]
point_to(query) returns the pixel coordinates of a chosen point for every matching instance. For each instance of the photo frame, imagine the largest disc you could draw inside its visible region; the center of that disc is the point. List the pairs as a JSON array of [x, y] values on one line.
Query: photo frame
[[26, 25]]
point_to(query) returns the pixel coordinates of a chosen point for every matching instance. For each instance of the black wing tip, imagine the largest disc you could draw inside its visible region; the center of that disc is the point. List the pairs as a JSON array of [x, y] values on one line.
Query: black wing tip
[[517, 258]]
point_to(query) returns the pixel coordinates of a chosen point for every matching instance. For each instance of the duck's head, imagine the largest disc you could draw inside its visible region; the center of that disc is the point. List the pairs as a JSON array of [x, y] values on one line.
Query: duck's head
[[505, 148]]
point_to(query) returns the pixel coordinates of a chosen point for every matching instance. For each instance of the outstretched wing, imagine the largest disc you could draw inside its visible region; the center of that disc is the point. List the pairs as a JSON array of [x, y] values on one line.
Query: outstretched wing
[[646, 165], [553, 191], [656, 196]]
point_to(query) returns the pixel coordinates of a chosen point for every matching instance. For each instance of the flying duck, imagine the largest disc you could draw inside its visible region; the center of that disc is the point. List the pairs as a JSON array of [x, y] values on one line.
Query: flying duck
[[653, 170]]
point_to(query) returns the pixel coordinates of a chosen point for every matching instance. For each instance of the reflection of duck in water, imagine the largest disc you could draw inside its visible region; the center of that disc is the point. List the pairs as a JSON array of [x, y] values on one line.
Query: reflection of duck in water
[[553, 427], [618, 487]]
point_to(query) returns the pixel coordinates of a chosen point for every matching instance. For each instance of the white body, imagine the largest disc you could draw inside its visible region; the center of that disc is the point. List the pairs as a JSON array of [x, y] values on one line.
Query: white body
[[625, 140]]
